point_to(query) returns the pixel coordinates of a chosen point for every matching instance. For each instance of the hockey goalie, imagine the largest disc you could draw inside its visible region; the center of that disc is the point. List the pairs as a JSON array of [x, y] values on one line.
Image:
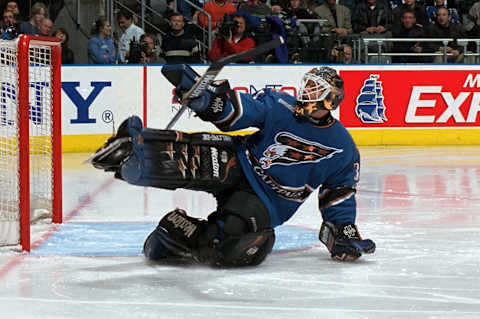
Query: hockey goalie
[[258, 181]]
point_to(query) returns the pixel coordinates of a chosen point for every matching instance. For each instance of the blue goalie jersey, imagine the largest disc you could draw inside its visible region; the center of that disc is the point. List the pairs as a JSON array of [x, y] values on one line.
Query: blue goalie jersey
[[289, 157]]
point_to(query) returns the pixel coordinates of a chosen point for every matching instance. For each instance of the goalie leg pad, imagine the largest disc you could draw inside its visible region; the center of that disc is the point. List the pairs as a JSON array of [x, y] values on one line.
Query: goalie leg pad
[[173, 159], [226, 239], [155, 247], [344, 241], [181, 236]]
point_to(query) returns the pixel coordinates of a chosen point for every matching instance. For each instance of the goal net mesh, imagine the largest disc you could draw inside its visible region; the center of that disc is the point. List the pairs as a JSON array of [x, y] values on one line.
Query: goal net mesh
[[40, 141]]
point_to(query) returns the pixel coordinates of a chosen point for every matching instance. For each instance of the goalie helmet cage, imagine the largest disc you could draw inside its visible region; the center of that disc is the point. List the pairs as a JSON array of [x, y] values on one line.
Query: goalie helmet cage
[[30, 136]]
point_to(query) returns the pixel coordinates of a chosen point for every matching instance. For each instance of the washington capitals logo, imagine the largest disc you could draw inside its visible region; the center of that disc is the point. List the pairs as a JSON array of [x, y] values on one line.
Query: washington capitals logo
[[290, 150], [370, 107]]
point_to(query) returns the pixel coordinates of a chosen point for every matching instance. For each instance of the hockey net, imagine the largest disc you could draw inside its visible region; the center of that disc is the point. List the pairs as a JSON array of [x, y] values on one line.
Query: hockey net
[[30, 136]]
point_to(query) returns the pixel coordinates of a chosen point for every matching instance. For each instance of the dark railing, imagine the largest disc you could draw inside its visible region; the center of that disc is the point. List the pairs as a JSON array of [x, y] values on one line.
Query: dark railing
[[365, 41]]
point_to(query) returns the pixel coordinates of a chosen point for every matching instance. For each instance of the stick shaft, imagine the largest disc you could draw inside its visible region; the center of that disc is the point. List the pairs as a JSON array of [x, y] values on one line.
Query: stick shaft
[[214, 69]]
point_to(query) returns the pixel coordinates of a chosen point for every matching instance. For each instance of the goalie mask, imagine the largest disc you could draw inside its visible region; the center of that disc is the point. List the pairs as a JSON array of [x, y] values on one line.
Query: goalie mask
[[321, 88]]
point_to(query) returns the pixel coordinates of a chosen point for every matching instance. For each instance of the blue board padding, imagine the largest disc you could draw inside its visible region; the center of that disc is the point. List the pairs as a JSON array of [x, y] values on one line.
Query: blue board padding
[[125, 239]]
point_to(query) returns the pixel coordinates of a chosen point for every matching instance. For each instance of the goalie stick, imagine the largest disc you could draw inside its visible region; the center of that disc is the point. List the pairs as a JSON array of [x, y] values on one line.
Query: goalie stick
[[214, 69], [200, 86]]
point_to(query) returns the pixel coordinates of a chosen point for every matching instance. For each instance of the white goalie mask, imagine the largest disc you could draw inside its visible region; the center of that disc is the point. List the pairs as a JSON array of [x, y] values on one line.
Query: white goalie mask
[[320, 88]]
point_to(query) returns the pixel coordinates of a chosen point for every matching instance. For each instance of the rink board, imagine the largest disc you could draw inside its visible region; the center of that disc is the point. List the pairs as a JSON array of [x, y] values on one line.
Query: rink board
[[421, 105]]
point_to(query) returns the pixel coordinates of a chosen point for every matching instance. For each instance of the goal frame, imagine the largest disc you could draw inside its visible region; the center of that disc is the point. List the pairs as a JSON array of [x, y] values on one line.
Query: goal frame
[[23, 48]]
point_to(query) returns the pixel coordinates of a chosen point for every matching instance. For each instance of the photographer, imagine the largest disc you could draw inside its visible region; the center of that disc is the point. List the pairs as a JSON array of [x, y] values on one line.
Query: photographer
[[341, 54], [130, 33], [143, 52], [231, 38]]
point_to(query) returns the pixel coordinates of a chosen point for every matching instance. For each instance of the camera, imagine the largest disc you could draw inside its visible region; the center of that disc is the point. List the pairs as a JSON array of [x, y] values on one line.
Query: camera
[[227, 26], [9, 33], [136, 49], [340, 49]]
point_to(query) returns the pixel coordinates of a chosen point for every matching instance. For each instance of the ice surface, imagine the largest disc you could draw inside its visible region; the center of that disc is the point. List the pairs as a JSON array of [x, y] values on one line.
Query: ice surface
[[421, 205]]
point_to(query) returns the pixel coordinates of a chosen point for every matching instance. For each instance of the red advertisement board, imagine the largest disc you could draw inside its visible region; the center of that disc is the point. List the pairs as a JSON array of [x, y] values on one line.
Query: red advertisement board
[[408, 98]]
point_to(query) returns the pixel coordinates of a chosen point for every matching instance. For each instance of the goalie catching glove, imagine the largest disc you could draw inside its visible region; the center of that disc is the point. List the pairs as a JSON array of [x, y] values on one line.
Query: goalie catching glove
[[344, 241]]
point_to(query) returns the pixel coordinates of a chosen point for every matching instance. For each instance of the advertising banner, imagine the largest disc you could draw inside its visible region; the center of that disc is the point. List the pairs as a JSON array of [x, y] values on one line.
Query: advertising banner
[[384, 104], [411, 98], [96, 97], [243, 78]]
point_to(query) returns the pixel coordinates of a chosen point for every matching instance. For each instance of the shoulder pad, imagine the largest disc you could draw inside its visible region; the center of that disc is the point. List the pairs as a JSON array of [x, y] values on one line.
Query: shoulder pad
[[270, 93]]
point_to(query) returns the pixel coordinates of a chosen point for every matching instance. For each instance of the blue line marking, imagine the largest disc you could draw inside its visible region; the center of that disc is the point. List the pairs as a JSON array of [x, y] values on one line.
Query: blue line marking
[[125, 239]]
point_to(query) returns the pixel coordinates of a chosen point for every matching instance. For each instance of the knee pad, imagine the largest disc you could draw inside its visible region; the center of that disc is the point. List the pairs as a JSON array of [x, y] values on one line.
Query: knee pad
[[244, 231], [246, 250]]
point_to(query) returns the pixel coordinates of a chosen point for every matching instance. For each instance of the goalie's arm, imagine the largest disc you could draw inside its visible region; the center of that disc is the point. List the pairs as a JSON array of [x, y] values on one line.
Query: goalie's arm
[[226, 108], [336, 201], [338, 231]]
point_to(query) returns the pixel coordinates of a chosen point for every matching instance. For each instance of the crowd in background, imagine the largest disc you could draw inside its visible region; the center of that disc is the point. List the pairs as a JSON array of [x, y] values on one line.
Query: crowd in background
[[316, 31]]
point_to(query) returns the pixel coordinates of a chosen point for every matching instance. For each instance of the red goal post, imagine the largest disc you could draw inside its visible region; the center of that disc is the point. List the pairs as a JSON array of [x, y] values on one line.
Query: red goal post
[[30, 136]]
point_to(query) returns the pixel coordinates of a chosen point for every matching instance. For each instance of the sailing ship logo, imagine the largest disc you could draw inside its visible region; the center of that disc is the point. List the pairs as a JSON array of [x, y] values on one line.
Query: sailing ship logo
[[370, 107]]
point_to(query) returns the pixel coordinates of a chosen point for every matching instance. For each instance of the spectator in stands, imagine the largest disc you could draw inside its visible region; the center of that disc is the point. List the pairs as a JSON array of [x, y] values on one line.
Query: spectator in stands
[[443, 28], [420, 13], [53, 7], [32, 26], [232, 41], [178, 45], [408, 28], [147, 52], [462, 7], [67, 54], [101, 49], [341, 54], [302, 35], [8, 27], [46, 27], [13, 7], [338, 18], [431, 12], [280, 5], [277, 6], [8, 19], [131, 32], [217, 9], [371, 17], [295, 9], [472, 21], [256, 8]]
